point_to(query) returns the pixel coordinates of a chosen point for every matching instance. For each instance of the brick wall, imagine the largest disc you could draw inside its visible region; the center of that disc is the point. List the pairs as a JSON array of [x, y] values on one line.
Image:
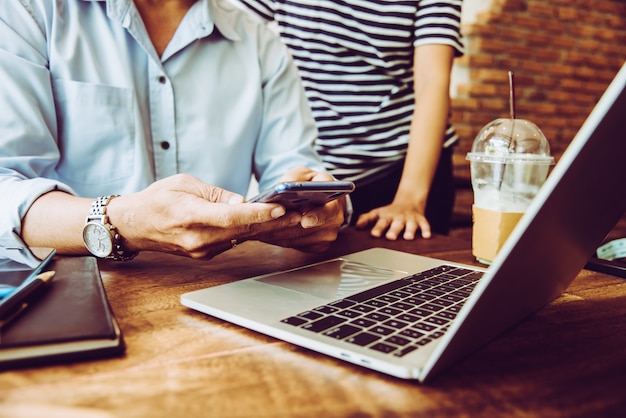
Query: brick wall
[[563, 53]]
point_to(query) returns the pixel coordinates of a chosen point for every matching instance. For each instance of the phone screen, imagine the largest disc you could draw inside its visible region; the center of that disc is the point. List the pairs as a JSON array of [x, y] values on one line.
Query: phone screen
[[299, 194], [14, 274]]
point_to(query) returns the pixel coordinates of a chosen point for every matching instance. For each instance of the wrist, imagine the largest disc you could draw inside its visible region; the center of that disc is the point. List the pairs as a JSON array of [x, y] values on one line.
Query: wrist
[[101, 236], [119, 216]]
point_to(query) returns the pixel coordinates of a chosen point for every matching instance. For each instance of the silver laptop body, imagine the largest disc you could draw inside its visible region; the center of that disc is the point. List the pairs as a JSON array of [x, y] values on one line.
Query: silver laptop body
[[580, 202]]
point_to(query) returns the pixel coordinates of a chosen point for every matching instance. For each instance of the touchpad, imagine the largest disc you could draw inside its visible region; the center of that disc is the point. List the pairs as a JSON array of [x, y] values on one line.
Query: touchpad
[[333, 279]]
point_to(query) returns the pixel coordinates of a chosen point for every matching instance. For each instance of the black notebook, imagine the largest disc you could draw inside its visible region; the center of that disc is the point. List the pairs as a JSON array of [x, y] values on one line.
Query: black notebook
[[70, 321]]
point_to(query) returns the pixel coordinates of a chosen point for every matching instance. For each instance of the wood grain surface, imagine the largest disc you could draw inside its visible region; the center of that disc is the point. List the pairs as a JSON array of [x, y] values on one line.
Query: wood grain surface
[[568, 360]]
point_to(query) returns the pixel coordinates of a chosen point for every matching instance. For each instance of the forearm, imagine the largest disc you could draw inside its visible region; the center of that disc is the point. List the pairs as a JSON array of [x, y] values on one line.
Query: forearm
[[56, 220], [430, 118], [423, 152]]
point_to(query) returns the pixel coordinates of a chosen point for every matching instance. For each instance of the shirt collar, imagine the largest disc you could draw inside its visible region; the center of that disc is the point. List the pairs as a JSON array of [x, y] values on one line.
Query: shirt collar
[[206, 15]]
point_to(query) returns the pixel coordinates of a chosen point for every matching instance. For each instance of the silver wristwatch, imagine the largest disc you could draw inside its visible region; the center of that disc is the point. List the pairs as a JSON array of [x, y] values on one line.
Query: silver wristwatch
[[100, 237]]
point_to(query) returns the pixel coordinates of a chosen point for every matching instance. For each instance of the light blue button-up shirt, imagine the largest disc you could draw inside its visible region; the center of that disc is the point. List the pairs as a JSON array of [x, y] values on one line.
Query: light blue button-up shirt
[[87, 106]]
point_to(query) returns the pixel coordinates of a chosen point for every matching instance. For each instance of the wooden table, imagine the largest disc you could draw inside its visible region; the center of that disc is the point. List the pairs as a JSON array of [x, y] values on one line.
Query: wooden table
[[567, 360]]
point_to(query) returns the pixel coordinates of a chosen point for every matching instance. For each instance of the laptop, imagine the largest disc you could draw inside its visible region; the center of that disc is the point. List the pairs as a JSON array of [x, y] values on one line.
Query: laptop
[[411, 316]]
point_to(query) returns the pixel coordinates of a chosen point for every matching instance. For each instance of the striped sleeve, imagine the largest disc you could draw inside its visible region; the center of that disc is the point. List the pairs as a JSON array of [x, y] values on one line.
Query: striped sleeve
[[439, 23]]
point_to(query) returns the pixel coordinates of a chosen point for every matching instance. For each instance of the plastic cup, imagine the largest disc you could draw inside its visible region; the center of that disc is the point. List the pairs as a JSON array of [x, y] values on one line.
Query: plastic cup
[[509, 163]]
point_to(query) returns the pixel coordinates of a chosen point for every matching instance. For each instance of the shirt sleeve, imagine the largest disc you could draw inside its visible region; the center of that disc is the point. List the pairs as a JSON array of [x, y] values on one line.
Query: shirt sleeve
[[27, 121], [439, 22], [288, 131]]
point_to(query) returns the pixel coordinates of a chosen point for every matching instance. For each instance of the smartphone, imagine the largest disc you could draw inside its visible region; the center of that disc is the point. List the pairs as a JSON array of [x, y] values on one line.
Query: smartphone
[[297, 194], [14, 274]]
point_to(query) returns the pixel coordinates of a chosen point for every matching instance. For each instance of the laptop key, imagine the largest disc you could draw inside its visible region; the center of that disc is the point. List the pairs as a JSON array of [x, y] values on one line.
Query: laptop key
[[341, 304], [443, 302], [383, 348], [382, 330], [388, 298], [433, 307], [404, 351], [342, 331], [434, 292], [474, 276], [376, 316], [424, 341], [418, 287], [395, 324], [436, 320], [403, 306], [455, 308], [400, 294], [363, 339], [349, 313], [363, 323], [460, 272], [447, 314], [412, 289], [397, 340], [449, 287], [452, 298], [294, 320], [310, 315], [324, 323], [464, 293], [424, 327], [416, 300], [363, 308], [326, 309], [376, 303], [408, 318], [421, 312], [411, 333], [390, 311]]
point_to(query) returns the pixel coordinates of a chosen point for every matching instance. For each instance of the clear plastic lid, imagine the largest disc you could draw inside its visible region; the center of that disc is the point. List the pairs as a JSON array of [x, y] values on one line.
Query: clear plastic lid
[[509, 141]]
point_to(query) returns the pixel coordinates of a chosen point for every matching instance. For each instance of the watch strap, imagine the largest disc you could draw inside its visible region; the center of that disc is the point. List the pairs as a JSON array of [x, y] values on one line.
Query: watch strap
[[98, 212]]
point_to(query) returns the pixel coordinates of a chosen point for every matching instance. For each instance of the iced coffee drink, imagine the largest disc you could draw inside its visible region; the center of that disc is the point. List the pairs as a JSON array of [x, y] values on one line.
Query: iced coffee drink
[[509, 162]]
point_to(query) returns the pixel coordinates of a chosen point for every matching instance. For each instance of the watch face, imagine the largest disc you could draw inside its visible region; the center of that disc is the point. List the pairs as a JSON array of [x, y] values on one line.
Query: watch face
[[97, 239]]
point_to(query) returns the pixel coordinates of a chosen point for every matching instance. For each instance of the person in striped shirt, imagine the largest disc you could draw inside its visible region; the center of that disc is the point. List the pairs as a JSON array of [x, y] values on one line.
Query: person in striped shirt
[[377, 77]]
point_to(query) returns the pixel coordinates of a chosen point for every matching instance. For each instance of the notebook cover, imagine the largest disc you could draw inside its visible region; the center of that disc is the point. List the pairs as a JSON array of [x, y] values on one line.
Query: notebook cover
[[71, 320]]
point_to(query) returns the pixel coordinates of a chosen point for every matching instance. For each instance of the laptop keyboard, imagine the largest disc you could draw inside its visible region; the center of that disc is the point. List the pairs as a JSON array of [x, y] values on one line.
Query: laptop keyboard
[[398, 317]]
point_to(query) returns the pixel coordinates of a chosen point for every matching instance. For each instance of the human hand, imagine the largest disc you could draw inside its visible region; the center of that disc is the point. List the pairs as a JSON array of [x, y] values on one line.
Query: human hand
[[183, 215], [319, 225], [394, 218]]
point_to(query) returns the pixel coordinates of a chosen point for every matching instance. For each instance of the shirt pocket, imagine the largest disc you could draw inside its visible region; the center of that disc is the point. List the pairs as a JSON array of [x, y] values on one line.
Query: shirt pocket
[[96, 131]]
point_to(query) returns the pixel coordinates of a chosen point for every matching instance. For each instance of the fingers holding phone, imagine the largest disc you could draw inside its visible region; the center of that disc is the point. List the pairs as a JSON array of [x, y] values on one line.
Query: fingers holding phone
[[298, 195], [322, 207]]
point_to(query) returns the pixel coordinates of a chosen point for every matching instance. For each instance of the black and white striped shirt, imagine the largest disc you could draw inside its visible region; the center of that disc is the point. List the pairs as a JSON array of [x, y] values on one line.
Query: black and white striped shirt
[[356, 62]]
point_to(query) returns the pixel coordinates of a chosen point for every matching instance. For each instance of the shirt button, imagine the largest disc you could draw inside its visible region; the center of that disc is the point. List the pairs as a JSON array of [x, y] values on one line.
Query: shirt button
[[162, 79], [165, 145]]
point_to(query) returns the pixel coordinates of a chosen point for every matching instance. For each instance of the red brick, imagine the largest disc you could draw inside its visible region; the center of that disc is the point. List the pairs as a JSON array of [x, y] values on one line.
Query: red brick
[[482, 60], [527, 22], [492, 45], [464, 104], [585, 72], [534, 66], [564, 54], [568, 13], [541, 8], [482, 90]]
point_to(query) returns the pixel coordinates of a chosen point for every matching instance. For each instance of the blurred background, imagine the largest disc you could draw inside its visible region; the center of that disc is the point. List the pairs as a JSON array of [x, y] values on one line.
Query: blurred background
[[564, 53]]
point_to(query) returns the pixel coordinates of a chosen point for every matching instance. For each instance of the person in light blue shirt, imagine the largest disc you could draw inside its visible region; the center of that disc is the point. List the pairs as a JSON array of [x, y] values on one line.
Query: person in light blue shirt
[[173, 106]]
